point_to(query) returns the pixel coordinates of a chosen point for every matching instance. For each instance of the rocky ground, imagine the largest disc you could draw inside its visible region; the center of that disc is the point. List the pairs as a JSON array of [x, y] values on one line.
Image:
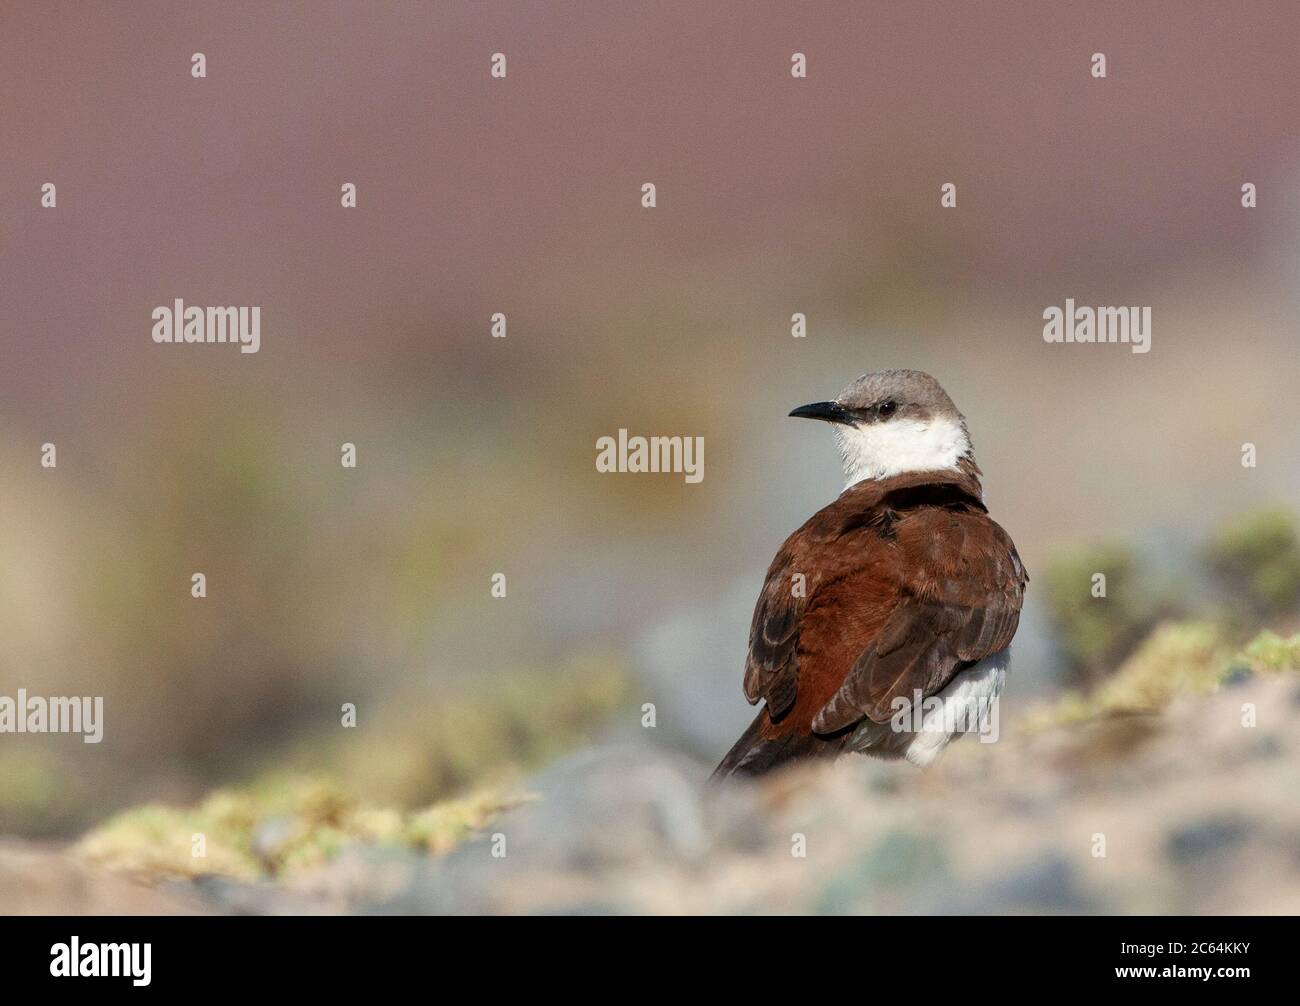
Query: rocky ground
[[1186, 810]]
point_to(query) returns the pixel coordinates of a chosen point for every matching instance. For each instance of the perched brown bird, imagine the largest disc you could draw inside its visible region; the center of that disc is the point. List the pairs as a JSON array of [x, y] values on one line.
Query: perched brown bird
[[884, 623]]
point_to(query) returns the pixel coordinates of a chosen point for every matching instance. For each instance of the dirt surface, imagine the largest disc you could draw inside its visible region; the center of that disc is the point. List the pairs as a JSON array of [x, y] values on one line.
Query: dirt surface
[[45, 880], [1185, 811]]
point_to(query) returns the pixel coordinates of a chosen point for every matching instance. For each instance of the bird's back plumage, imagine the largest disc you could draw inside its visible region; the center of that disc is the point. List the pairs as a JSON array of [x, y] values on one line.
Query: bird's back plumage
[[896, 587]]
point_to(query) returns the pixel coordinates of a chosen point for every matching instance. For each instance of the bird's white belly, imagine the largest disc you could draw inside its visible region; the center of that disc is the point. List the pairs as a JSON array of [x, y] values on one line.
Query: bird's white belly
[[968, 705]]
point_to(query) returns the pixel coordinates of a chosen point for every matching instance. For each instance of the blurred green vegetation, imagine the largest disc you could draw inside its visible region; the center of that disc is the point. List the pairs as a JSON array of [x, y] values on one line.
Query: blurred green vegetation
[[418, 748], [409, 749], [36, 794], [1254, 558], [1094, 633], [1130, 655], [1187, 657], [433, 770], [324, 585], [1257, 559], [276, 827], [1270, 652]]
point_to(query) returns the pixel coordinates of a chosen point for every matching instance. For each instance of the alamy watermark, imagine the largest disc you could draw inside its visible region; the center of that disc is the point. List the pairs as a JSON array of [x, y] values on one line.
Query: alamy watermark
[[194, 324], [58, 714], [956, 714], [684, 455], [1130, 325], [75, 959]]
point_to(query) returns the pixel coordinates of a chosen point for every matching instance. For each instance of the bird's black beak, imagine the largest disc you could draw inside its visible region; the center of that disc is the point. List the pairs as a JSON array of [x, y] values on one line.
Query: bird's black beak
[[828, 412]]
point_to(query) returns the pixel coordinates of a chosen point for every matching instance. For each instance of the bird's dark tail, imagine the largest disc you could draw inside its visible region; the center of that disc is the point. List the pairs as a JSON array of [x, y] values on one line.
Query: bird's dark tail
[[755, 754]]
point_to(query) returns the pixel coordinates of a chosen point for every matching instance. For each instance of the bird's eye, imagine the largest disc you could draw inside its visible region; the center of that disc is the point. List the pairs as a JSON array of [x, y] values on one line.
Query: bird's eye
[[887, 409]]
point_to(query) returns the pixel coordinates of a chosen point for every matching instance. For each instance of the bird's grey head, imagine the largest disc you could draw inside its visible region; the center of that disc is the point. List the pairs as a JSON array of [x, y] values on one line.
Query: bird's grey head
[[893, 421]]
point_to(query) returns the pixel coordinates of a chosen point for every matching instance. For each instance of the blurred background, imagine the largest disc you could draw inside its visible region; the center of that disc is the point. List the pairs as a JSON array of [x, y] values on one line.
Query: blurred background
[[476, 455]]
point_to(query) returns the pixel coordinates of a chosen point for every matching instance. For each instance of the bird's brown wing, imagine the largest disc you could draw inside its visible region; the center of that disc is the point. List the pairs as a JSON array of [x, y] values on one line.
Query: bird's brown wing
[[771, 668], [904, 583], [960, 602], [806, 580]]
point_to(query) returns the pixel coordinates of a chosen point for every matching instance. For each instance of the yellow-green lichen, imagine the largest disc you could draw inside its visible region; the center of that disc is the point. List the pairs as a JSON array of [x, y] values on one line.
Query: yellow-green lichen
[[1177, 657], [273, 828], [1270, 652]]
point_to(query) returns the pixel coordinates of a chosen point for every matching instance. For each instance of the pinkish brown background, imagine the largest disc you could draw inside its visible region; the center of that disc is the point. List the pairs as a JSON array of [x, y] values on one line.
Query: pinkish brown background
[[522, 196]]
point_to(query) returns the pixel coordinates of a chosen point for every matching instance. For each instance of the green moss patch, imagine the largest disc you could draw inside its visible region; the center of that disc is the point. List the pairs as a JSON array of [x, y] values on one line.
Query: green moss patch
[[1176, 658], [274, 828]]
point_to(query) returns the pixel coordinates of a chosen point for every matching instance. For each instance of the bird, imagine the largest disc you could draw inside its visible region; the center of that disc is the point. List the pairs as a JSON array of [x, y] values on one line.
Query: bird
[[890, 612]]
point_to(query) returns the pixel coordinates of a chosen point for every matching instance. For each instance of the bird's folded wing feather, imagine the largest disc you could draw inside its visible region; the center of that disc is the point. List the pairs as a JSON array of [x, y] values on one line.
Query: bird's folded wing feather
[[771, 670], [960, 604], [903, 591]]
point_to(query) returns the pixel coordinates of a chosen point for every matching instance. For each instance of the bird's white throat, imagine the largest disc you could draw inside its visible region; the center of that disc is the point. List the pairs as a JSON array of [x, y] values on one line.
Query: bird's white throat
[[895, 447]]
